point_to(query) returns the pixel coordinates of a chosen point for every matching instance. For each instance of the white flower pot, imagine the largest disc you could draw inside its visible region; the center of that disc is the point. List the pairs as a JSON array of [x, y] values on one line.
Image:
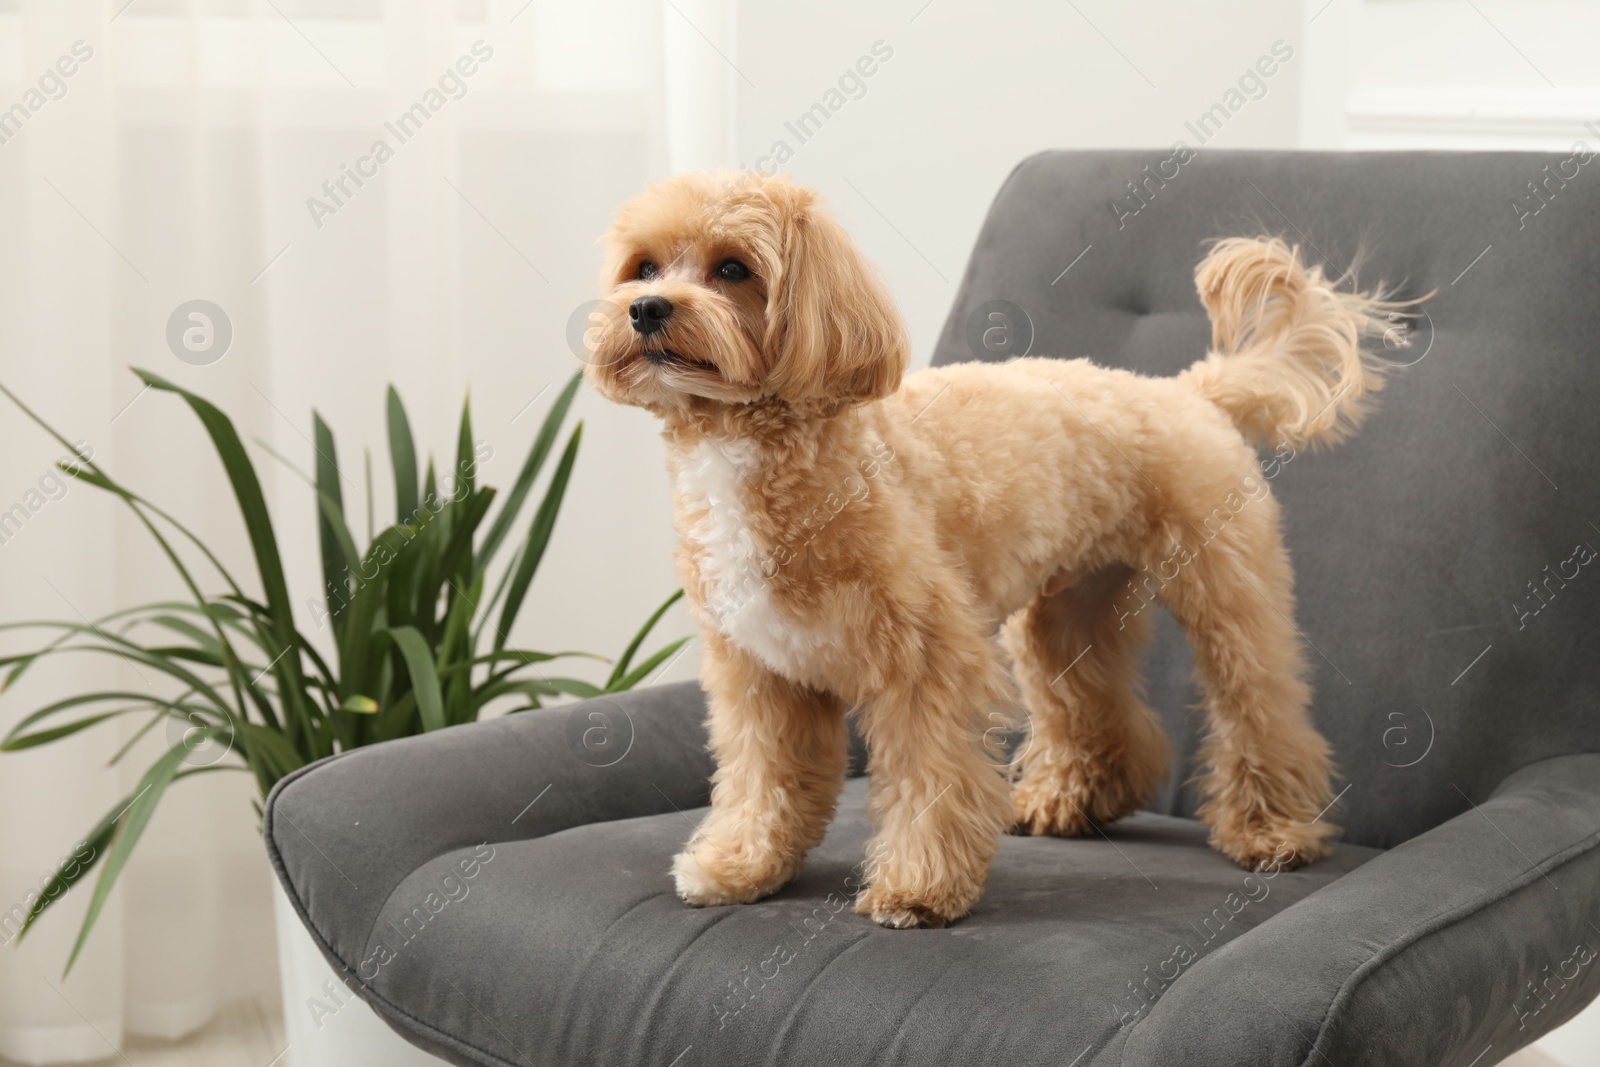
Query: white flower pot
[[325, 1024]]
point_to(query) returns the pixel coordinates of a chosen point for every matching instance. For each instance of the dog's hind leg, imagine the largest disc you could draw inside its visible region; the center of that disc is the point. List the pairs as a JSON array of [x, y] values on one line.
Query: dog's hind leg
[[1095, 752], [1267, 770]]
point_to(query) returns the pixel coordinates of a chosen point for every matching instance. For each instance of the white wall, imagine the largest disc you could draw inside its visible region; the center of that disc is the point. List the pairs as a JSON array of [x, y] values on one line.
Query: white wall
[[972, 89]]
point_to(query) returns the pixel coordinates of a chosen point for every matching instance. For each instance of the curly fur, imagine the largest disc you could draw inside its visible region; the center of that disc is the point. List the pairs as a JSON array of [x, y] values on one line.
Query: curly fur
[[852, 536]]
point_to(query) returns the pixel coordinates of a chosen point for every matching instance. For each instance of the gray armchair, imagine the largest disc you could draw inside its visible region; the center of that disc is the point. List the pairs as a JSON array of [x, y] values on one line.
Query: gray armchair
[[1446, 582]]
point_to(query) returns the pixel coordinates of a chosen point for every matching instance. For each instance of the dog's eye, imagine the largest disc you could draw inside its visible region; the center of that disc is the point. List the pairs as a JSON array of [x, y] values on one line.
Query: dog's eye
[[647, 270], [731, 270]]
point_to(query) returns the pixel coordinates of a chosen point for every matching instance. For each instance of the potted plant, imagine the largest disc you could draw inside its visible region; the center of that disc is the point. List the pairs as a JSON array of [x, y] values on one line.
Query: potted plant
[[415, 644]]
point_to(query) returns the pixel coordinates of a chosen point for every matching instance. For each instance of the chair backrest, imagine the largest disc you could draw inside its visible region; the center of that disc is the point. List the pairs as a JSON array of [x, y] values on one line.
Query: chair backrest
[[1447, 569]]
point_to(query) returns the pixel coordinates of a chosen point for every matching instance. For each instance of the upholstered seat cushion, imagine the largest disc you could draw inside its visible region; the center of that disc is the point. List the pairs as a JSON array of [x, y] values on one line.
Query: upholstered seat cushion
[[500, 894], [558, 947]]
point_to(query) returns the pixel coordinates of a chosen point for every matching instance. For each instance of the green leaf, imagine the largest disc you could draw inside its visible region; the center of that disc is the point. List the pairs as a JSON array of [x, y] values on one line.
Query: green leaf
[[140, 507], [336, 556], [77, 700], [258, 524], [403, 458], [344, 558], [454, 645], [544, 521], [634, 677], [270, 756], [638, 639], [129, 826], [15, 742], [466, 463], [186, 652], [424, 678], [455, 562], [201, 638], [366, 462], [138, 735], [356, 671], [360, 705], [400, 588], [138, 655], [247, 491], [537, 687], [514, 655], [75, 868], [542, 444]]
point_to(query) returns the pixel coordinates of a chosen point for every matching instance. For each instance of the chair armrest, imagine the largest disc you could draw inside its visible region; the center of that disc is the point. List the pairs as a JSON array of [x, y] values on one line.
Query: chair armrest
[[343, 832], [1480, 933]]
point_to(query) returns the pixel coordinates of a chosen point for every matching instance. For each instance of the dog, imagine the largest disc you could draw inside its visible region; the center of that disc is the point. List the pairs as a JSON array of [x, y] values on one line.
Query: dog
[[851, 536]]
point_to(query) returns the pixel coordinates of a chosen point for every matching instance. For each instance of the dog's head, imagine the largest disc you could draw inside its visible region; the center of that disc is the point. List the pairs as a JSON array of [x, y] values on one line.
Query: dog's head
[[733, 288]]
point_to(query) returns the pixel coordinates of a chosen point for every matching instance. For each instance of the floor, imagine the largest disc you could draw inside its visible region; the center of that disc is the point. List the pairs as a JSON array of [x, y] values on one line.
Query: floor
[[250, 1034], [247, 1033]]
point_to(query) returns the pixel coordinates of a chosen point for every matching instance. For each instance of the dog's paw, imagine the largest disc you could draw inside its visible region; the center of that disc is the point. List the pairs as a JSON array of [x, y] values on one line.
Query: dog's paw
[[1274, 847], [1070, 803], [901, 910], [705, 877], [1045, 808]]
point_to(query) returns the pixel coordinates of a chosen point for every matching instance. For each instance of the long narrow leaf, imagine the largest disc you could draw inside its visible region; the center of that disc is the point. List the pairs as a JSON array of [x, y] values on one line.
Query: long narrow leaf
[[16, 743], [355, 668], [538, 687], [200, 637], [335, 556], [466, 462], [77, 700], [129, 826], [424, 678], [544, 521], [366, 462], [455, 562], [83, 466], [542, 443], [521, 657], [268, 746], [637, 675], [137, 655], [258, 524], [61, 880], [402, 457], [344, 558], [138, 735], [638, 639]]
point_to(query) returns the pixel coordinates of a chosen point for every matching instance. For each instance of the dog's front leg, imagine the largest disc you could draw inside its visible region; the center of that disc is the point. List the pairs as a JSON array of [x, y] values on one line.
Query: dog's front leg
[[781, 751], [938, 802]]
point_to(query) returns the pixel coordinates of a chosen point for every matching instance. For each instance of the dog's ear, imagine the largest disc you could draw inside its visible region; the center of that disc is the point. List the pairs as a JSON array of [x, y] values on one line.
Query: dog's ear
[[832, 332]]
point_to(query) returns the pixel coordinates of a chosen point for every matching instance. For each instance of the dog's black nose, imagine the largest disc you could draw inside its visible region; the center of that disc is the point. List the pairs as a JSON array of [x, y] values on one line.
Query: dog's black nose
[[649, 313]]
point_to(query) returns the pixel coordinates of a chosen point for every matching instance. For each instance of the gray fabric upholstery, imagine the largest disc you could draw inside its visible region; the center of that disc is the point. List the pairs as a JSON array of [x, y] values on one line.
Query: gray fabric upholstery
[[1428, 954], [499, 891], [568, 934], [344, 832]]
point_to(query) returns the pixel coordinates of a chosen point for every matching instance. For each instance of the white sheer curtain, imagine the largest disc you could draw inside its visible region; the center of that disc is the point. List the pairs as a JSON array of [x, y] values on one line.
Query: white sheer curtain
[[204, 151]]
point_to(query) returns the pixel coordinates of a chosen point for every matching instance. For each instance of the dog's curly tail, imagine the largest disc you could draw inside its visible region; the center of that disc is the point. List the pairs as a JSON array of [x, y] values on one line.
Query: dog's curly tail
[[1287, 360]]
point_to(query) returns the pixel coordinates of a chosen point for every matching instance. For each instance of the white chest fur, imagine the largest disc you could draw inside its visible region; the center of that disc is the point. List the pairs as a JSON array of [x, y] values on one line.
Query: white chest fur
[[735, 568]]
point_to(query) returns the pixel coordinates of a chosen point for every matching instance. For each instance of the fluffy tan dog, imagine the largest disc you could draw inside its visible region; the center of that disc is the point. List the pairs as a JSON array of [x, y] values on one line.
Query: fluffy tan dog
[[849, 538]]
